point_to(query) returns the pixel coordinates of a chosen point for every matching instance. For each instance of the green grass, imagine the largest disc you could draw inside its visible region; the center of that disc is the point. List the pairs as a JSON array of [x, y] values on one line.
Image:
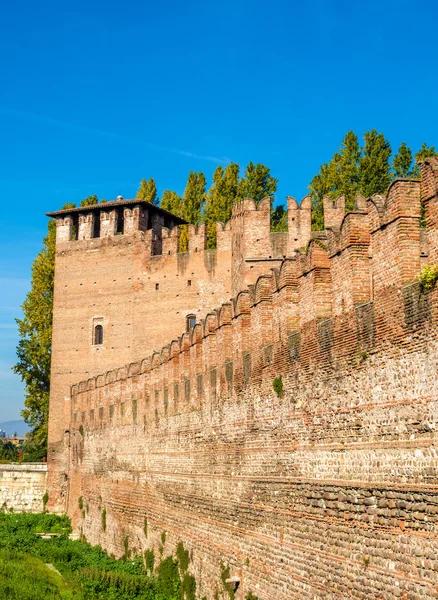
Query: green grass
[[87, 572], [25, 577]]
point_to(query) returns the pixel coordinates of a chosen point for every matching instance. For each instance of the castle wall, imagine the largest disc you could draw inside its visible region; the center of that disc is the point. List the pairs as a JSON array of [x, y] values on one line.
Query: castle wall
[[22, 486], [141, 299], [326, 491]]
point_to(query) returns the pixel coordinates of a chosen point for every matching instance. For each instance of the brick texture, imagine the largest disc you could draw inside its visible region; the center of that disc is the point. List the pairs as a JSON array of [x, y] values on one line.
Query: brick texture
[[327, 491]]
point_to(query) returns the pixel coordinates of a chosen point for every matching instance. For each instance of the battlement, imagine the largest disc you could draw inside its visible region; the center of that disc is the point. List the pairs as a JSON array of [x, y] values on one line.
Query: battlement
[[288, 433], [363, 253]]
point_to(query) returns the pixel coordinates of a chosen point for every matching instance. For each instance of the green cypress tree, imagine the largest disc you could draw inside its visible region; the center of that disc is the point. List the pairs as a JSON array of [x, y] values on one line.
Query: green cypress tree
[[374, 166], [402, 162], [148, 191]]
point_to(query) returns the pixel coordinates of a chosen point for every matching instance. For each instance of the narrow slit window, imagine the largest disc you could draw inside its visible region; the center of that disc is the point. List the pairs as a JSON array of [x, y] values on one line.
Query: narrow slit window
[[98, 335], [191, 322]]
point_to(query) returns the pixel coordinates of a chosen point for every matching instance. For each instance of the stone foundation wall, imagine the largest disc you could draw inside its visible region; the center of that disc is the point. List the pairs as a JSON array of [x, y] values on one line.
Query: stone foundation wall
[[22, 486]]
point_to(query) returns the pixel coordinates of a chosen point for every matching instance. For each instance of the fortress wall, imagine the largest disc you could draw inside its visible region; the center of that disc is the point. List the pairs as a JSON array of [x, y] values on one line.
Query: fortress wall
[[140, 298], [327, 491], [22, 486]]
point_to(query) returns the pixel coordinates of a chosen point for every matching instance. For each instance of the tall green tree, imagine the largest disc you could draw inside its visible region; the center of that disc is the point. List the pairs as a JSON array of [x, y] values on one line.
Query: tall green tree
[[193, 203], [148, 191], [319, 187], [90, 200], [374, 164], [219, 200], [257, 183], [348, 169], [172, 202], [194, 197], [279, 218], [402, 162], [424, 152], [34, 346]]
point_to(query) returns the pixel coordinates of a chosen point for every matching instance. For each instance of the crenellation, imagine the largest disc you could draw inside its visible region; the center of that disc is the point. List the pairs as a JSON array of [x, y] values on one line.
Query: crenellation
[[334, 211], [86, 226], [289, 432], [299, 221]]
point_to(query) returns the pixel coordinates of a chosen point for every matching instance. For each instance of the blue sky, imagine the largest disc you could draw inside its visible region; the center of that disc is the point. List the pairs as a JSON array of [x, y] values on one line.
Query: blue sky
[[97, 95]]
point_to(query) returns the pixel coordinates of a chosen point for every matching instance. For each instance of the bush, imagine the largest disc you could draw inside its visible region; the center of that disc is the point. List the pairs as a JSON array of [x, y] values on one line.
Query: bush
[[277, 384], [428, 277], [88, 571]]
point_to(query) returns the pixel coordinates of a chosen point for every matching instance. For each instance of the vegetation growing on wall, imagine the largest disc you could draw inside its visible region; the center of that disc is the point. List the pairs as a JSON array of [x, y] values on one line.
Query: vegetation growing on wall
[[366, 169], [428, 277]]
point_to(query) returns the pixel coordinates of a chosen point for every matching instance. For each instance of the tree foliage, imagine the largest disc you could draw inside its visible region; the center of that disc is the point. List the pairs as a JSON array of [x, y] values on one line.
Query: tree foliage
[[402, 162], [257, 183], [220, 198], [88, 201], [172, 202], [35, 341], [365, 169], [148, 191]]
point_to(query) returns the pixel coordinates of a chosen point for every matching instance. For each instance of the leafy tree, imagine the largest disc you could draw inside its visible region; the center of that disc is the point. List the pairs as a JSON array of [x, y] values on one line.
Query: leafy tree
[[424, 152], [402, 162], [354, 169], [192, 208], [8, 451], [172, 202], [148, 191], [257, 183], [349, 169], [194, 197], [319, 187], [220, 198], [89, 201], [374, 166], [34, 346], [279, 218]]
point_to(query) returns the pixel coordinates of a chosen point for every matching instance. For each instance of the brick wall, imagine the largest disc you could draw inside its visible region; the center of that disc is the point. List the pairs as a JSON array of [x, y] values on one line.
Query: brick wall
[[325, 492]]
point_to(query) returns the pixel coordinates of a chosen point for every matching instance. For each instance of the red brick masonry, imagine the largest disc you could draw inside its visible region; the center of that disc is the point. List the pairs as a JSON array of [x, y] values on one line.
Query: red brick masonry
[[329, 491]]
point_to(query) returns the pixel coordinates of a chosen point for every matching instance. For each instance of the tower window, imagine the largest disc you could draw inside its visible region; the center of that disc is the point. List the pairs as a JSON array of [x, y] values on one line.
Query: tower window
[[191, 322], [98, 335]]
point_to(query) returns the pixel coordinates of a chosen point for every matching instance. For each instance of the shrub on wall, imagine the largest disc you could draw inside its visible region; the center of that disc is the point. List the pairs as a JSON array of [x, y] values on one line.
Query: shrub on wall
[[278, 386], [428, 277]]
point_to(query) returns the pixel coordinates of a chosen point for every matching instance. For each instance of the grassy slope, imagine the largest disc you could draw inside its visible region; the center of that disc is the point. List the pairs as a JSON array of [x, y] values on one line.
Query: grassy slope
[[25, 577]]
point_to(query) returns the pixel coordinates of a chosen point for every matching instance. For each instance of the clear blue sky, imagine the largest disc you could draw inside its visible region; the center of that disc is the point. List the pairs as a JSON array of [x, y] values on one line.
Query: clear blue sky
[[97, 95]]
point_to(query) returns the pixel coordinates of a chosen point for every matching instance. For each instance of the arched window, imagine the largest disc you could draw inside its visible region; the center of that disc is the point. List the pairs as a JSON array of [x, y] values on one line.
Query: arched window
[[191, 322], [98, 335]]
